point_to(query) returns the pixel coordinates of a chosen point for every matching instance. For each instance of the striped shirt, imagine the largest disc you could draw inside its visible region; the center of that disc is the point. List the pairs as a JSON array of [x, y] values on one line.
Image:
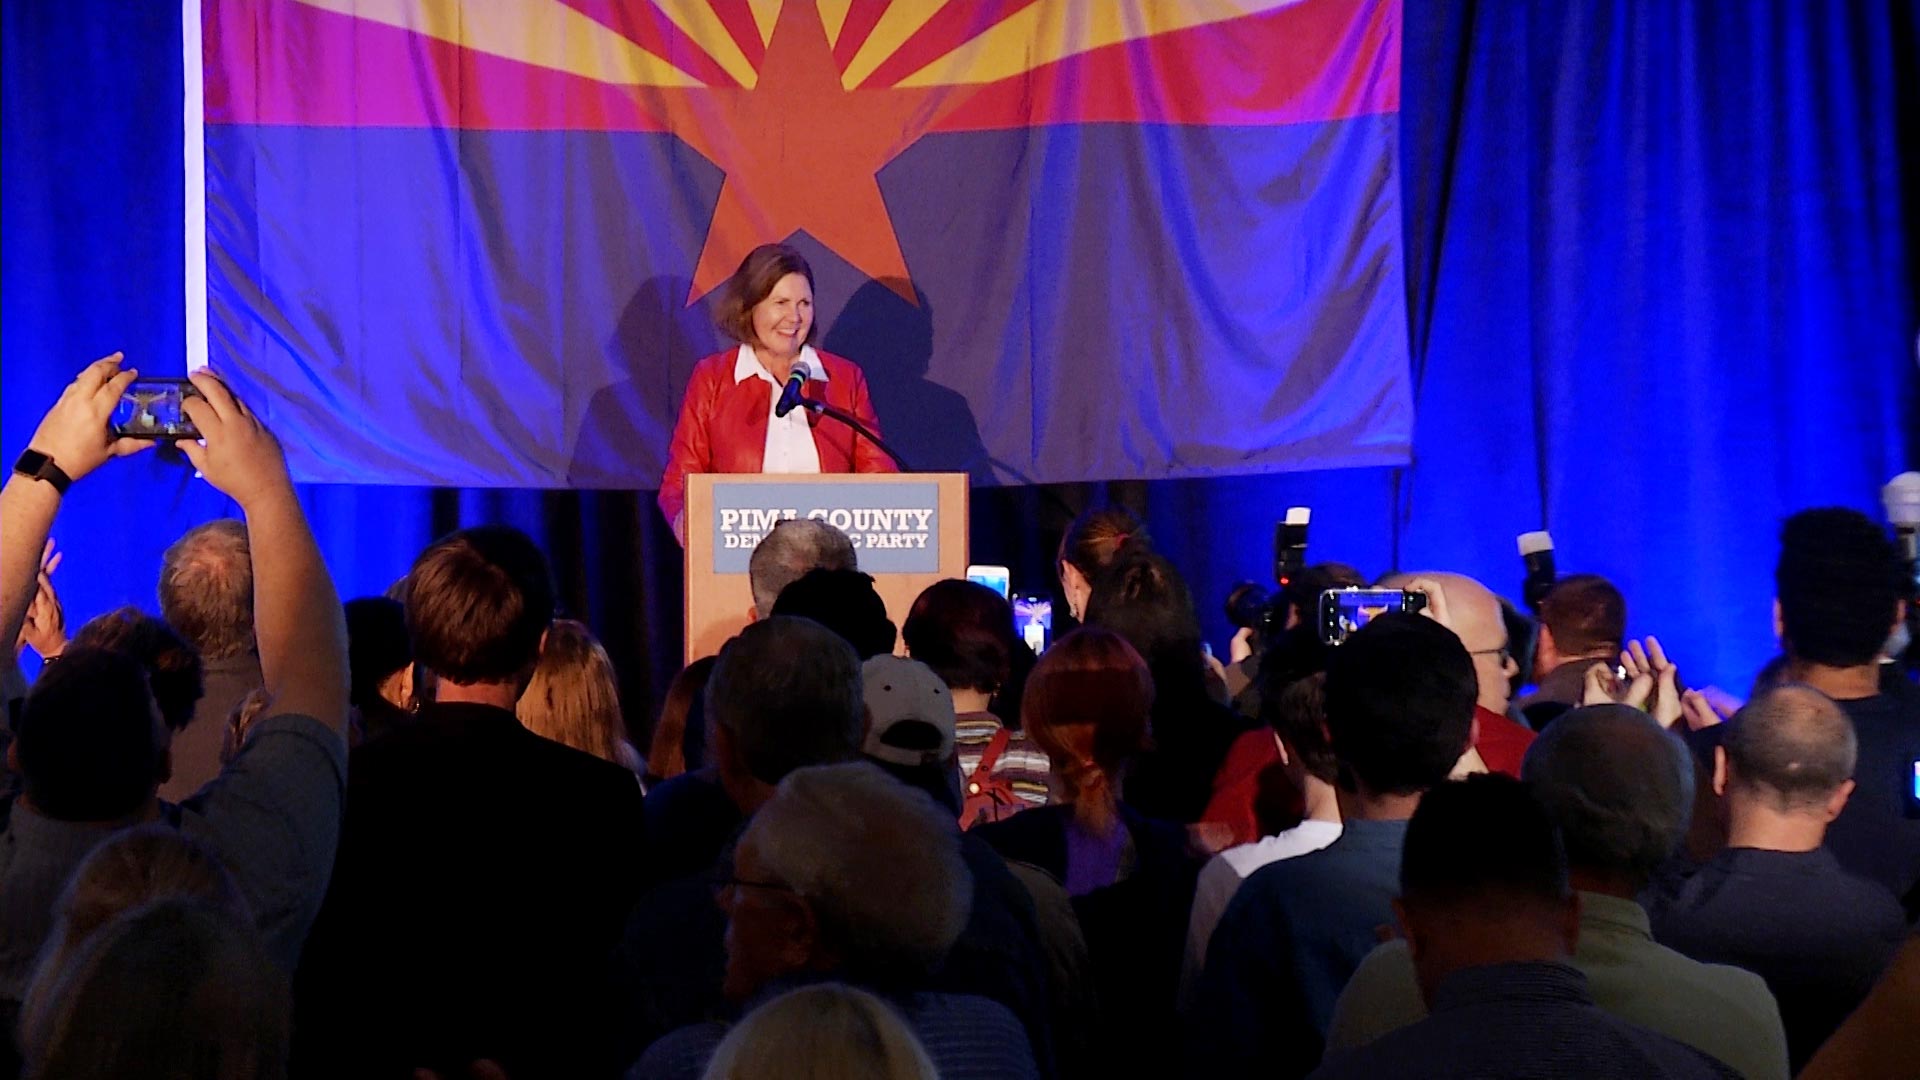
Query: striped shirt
[[1022, 764]]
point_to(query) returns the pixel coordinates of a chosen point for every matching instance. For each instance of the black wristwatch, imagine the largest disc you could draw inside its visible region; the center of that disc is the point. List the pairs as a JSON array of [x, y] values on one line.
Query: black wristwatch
[[38, 466]]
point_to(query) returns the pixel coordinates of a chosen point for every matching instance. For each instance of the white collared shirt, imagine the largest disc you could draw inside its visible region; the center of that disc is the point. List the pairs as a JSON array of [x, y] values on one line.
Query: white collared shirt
[[790, 447]]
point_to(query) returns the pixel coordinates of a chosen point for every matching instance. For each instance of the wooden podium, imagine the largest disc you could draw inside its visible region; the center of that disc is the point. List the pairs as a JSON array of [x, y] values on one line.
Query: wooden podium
[[909, 530]]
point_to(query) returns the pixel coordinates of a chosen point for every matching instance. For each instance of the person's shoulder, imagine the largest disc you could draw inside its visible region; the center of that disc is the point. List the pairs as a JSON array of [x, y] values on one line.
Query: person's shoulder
[[683, 1052], [840, 369], [568, 767]]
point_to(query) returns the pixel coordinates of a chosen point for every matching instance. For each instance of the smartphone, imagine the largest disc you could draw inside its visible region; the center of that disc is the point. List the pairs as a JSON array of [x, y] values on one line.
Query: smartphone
[[1913, 788], [996, 578], [1033, 621], [150, 409], [1342, 611]]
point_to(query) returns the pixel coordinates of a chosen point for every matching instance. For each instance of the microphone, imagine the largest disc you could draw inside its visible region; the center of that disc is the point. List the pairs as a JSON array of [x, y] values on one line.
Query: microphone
[[1536, 550], [790, 395]]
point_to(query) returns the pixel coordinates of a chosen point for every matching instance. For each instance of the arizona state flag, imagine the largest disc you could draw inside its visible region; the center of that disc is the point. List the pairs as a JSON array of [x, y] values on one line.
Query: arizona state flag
[[473, 244]]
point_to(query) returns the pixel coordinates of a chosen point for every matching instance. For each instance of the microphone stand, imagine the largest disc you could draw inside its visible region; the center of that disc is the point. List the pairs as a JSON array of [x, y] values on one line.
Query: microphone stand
[[859, 428]]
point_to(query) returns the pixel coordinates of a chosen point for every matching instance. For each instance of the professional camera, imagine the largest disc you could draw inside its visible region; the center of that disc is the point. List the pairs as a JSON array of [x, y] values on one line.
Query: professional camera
[[1251, 606]]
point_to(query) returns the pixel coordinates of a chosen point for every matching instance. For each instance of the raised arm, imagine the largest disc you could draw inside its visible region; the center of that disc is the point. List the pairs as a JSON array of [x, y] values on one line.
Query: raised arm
[[297, 616], [75, 439]]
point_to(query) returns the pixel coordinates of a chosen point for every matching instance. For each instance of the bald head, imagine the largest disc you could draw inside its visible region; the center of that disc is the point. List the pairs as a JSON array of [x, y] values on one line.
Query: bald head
[[1619, 786], [1473, 612], [1793, 746]]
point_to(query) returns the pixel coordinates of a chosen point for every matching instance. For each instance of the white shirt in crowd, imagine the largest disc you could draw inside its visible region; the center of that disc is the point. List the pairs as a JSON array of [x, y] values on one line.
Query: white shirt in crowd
[[1221, 878]]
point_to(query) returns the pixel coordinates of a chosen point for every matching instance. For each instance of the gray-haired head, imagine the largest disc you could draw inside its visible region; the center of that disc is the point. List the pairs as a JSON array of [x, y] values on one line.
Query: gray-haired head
[[1619, 786], [877, 861], [789, 551], [1794, 744], [206, 588], [787, 692]]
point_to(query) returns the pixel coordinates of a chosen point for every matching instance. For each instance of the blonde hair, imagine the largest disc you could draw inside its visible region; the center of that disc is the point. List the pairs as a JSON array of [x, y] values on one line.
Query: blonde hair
[[135, 867], [830, 1032], [178, 987], [573, 698]]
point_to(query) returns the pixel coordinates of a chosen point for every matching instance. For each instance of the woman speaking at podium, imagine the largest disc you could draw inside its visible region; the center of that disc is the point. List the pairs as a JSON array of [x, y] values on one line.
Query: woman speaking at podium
[[727, 419]]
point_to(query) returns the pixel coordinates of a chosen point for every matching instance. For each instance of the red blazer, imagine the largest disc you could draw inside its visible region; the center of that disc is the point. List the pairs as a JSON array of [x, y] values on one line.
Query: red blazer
[[723, 426]]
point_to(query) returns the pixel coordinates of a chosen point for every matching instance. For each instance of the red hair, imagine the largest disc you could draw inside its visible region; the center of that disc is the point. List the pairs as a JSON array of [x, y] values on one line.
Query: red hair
[[1087, 705]]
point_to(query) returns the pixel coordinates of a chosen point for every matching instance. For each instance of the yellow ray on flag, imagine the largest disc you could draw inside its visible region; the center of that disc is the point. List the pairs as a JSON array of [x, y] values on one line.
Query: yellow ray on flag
[[699, 22], [765, 14], [543, 33], [1053, 30], [833, 16], [898, 23]]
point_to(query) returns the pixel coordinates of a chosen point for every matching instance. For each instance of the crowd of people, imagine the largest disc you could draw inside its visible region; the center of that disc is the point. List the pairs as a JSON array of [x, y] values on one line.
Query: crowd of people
[[263, 833]]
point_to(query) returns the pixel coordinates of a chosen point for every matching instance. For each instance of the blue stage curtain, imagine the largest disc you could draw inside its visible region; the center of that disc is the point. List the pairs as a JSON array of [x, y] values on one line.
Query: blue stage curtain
[[1661, 272]]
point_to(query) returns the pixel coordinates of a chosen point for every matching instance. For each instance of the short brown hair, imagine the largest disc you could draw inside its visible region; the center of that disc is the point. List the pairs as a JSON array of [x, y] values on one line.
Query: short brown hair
[[759, 272], [477, 603], [206, 588], [173, 665], [1586, 614], [1794, 744], [964, 632]]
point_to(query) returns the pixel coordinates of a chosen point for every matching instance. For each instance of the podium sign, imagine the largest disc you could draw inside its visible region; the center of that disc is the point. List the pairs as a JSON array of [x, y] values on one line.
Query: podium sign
[[909, 530], [894, 524]]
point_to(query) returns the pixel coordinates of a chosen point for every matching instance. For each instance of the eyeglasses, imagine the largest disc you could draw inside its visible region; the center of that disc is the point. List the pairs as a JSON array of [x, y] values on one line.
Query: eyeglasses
[[1504, 652], [723, 893]]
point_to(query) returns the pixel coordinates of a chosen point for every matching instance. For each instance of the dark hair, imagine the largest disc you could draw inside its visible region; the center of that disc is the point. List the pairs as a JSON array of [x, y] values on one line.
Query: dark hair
[[787, 691], [1793, 742], [1302, 594], [1298, 714], [679, 742], [174, 671], [477, 602], [758, 273], [1483, 835], [1141, 597], [1095, 538], [178, 987], [1839, 585], [1586, 614], [964, 632], [845, 602], [1400, 699], [89, 738], [377, 645], [206, 588]]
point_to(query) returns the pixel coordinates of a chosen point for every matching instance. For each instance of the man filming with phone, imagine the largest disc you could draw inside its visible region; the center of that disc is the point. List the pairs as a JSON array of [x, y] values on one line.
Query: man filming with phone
[[90, 742]]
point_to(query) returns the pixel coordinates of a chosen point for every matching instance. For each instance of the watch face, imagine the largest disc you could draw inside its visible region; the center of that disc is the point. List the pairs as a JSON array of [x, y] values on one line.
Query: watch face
[[31, 462]]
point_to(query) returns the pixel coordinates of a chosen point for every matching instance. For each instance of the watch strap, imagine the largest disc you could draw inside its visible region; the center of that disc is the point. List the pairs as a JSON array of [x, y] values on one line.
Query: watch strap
[[38, 466]]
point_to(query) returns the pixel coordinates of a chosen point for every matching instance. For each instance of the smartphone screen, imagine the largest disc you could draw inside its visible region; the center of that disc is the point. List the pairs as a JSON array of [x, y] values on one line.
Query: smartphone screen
[[1342, 611], [150, 409], [1033, 621], [997, 578]]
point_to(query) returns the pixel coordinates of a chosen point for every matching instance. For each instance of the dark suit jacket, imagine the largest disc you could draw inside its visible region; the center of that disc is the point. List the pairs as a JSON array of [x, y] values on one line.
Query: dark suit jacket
[[483, 877], [1135, 930]]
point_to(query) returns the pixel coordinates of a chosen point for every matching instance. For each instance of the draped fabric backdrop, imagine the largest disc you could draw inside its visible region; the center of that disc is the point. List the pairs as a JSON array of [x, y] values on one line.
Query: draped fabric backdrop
[[1659, 266]]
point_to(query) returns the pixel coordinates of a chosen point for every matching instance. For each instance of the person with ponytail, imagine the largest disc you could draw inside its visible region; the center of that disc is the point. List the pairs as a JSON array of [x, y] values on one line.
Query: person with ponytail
[[1090, 545], [1087, 706], [1142, 598]]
